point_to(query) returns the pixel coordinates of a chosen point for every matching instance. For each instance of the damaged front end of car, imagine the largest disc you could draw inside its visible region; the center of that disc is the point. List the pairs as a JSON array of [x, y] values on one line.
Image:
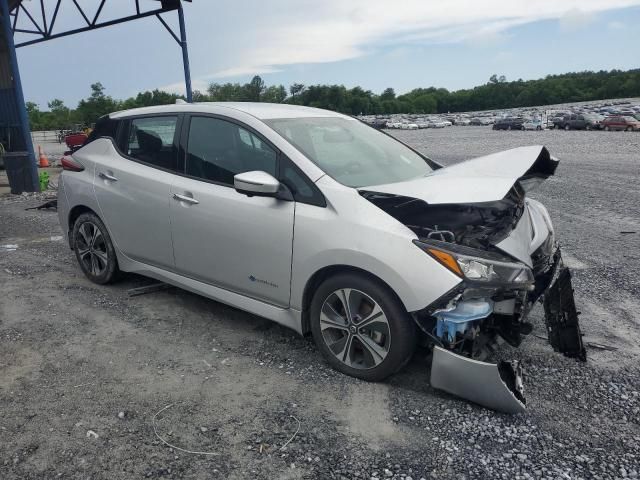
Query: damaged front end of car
[[505, 254], [492, 303]]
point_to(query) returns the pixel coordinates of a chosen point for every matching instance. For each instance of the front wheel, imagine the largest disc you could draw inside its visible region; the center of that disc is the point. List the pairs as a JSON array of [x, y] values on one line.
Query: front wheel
[[361, 327], [567, 127], [94, 249], [606, 129]]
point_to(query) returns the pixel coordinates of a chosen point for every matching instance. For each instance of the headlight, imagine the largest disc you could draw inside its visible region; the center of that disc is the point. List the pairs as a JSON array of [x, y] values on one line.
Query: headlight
[[477, 265]]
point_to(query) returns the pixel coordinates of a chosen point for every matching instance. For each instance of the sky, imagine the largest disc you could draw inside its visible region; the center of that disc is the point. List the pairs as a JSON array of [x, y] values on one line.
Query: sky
[[403, 44]]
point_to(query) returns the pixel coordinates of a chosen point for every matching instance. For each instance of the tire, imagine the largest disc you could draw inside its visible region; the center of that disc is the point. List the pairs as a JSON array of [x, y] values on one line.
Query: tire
[[606, 128], [567, 127], [538, 127], [628, 129], [556, 126], [522, 128], [370, 354], [94, 249], [587, 127], [509, 127]]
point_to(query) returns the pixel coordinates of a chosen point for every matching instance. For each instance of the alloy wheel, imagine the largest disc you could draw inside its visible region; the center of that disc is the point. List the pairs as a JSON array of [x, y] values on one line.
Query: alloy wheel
[[92, 248], [355, 329]]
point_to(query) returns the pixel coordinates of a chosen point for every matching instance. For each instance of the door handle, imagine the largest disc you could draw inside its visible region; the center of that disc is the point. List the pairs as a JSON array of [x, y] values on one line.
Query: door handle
[[184, 198], [106, 176]]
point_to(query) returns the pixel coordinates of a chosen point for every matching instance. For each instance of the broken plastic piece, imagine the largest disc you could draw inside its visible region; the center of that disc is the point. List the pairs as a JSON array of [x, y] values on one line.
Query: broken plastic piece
[[495, 386], [561, 318]]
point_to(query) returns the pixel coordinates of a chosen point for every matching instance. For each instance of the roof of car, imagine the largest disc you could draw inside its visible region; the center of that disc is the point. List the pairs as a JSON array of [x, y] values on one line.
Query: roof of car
[[262, 111]]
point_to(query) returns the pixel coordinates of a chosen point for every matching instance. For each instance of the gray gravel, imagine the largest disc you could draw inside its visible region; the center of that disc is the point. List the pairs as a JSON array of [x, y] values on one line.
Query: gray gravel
[[77, 358]]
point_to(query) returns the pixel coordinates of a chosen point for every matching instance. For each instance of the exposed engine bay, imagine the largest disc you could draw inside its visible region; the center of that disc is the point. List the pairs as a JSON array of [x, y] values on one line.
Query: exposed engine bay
[[478, 225], [505, 253]]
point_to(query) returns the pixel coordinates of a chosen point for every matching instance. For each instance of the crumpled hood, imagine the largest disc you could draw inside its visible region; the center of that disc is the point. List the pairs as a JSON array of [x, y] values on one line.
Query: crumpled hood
[[482, 179]]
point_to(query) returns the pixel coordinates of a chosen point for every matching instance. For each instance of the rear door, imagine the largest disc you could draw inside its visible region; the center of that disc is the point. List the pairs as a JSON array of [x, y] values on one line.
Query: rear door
[[132, 187], [222, 237]]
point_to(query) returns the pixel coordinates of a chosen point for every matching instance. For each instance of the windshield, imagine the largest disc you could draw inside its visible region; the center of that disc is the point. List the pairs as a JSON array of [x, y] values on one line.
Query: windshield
[[352, 153]]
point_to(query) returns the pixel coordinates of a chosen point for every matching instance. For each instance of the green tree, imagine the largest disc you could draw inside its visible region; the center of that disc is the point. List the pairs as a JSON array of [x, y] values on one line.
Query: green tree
[[96, 105], [274, 94], [425, 104], [388, 94], [254, 89], [296, 89]]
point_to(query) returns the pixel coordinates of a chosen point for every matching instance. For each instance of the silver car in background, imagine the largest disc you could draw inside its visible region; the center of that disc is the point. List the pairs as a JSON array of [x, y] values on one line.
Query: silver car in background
[[327, 226]]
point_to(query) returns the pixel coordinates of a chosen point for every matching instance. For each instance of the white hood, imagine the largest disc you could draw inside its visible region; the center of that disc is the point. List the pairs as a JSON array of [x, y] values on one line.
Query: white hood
[[483, 179]]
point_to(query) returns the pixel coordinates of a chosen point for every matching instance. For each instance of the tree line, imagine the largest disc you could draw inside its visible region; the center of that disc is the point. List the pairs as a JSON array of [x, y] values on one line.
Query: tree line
[[497, 93]]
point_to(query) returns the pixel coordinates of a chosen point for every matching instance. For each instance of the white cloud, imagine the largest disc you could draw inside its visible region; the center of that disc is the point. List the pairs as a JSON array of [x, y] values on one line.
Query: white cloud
[[282, 33], [576, 19]]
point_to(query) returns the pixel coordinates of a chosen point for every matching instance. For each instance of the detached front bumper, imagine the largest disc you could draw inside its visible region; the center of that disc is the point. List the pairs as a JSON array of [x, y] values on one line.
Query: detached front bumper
[[495, 386], [500, 386]]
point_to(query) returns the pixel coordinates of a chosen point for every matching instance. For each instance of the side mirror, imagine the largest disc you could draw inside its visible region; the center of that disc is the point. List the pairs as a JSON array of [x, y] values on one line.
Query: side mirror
[[256, 183]]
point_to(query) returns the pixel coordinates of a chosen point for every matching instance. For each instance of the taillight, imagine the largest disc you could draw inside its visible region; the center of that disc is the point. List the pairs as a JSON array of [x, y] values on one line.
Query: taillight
[[70, 165]]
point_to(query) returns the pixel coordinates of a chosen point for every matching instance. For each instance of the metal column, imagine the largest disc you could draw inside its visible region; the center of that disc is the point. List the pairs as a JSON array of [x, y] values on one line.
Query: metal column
[[19, 96], [185, 54]]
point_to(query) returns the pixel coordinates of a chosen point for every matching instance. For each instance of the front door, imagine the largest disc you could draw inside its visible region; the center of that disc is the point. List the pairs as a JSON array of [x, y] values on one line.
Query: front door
[[220, 236], [132, 187]]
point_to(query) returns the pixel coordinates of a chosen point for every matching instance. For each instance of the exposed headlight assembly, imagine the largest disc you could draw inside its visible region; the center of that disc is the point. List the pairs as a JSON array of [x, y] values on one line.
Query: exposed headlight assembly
[[477, 265]]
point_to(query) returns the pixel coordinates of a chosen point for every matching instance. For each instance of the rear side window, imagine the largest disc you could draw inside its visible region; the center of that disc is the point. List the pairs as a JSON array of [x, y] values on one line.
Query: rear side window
[[217, 150], [152, 140], [105, 127]]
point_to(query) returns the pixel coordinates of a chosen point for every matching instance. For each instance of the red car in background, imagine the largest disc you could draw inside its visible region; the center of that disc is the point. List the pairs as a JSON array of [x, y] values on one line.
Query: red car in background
[[75, 140], [619, 122]]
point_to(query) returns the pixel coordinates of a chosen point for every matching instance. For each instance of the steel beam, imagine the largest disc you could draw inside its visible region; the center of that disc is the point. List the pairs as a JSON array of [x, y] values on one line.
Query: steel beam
[[19, 95], [185, 54], [90, 26]]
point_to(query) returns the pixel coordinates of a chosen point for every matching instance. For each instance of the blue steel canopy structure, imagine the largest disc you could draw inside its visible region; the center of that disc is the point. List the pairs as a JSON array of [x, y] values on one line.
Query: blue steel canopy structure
[[31, 22]]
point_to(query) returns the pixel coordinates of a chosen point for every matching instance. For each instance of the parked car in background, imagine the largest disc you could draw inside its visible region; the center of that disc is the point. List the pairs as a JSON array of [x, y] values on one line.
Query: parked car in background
[[535, 124], [579, 121], [327, 226], [438, 123], [509, 123], [618, 122]]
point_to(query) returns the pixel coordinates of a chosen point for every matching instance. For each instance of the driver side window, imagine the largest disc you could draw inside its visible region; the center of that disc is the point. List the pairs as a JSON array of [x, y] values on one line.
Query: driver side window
[[217, 150]]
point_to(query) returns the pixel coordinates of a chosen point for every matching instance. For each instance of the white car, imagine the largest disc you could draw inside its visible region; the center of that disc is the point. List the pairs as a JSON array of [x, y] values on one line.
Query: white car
[[330, 227], [535, 124]]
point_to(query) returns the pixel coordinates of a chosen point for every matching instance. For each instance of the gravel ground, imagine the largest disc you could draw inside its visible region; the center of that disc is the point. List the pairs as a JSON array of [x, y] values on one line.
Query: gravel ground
[[85, 369]]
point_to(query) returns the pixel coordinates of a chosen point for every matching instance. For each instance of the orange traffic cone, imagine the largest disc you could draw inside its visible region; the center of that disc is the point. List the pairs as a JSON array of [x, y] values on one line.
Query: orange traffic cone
[[44, 161]]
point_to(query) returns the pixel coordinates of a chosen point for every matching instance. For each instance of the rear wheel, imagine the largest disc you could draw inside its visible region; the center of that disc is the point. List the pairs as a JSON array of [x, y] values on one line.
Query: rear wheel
[[567, 127], [606, 128], [509, 127], [628, 129], [538, 127], [361, 327], [94, 249]]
